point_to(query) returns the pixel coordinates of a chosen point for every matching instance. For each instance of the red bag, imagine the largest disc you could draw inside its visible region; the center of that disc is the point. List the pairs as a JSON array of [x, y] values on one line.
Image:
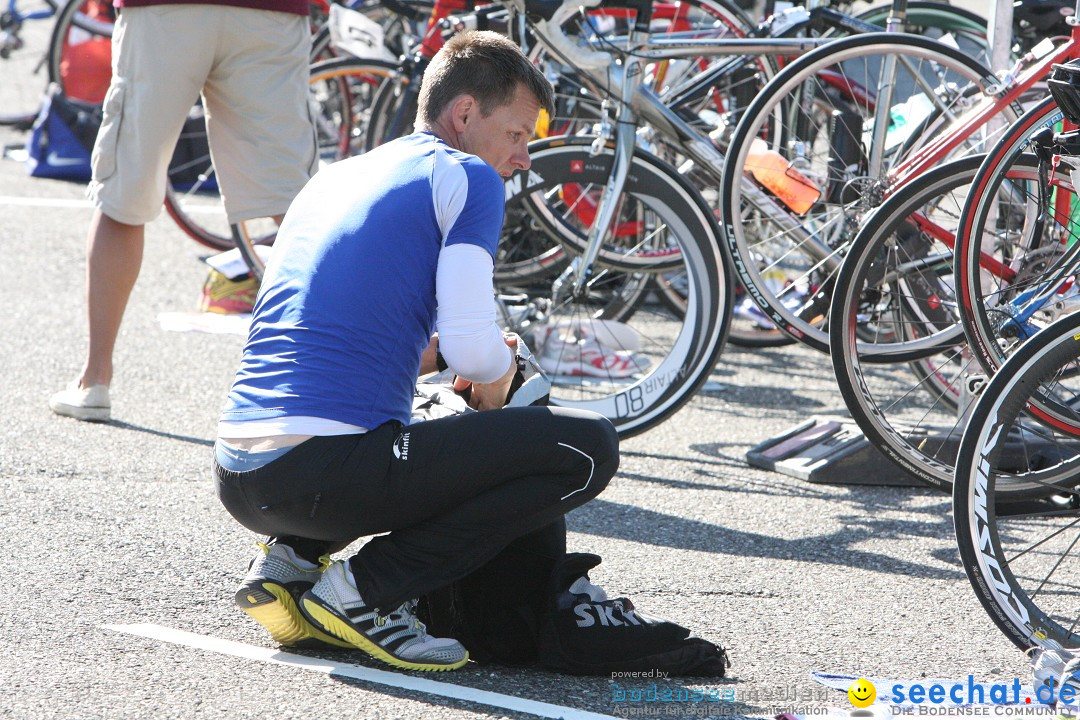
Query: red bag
[[86, 58]]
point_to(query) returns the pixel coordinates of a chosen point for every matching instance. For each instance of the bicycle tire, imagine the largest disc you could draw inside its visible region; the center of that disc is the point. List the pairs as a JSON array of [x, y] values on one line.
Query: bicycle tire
[[681, 350], [1012, 552], [1003, 233], [762, 234], [894, 312], [957, 26], [23, 60]]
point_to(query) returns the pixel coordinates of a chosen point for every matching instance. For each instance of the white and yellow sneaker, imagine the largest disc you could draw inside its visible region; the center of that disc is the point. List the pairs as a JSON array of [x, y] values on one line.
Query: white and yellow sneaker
[[269, 594], [397, 638]]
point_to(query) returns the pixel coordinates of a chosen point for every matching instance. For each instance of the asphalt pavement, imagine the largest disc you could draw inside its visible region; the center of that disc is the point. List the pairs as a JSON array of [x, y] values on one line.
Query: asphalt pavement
[[118, 525]]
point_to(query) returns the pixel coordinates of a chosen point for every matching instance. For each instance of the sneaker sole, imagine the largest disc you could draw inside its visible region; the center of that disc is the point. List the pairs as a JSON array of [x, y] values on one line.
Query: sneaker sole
[[273, 607], [332, 623], [87, 414]]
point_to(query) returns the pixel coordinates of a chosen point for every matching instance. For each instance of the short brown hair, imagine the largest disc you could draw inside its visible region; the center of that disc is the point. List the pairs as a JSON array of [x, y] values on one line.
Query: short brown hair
[[483, 64]]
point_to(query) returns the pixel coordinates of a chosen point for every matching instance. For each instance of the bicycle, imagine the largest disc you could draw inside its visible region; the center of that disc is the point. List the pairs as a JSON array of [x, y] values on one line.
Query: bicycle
[[603, 247], [1015, 493], [897, 344], [712, 123], [850, 142]]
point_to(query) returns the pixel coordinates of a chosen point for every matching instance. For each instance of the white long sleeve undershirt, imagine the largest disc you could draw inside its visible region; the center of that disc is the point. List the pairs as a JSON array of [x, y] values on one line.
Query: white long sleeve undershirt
[[470, 339]]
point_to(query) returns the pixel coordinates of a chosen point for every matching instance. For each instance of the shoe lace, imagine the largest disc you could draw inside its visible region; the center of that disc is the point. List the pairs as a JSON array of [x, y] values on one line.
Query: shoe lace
[[324, 563], [404, 611], [264, 547], [421, 628]]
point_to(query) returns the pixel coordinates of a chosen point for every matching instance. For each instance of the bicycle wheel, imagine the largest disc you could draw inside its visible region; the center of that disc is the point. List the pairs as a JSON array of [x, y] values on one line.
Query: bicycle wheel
[[896, 340], [1019, 556], [634, 368], [24, 50], [750, 326], [1006, 244], [793, 210]]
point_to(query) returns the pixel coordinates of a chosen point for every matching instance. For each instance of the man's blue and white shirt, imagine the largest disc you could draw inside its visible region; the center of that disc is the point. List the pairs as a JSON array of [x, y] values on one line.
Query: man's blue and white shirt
[[365, 234]]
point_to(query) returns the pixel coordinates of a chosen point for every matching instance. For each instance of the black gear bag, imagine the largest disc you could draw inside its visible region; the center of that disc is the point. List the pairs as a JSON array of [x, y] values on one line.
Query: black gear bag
[[518, 609]]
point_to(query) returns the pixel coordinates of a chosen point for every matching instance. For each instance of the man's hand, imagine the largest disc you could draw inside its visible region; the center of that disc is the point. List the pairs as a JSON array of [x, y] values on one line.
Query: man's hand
[[491, 396], [427, 358]]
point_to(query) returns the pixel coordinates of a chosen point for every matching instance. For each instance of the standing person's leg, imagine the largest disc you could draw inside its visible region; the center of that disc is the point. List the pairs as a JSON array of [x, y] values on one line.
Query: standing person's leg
[[262, 138], [114, 252], [158, 72], [114, 256]]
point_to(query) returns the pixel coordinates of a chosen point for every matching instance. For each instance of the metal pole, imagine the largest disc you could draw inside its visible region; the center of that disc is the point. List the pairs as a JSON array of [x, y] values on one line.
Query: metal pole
[[1000, 34]]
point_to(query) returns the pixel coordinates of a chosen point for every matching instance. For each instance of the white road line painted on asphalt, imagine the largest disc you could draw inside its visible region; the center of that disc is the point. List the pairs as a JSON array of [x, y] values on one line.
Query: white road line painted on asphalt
[[195, 209], [44, 202], [358, 672]]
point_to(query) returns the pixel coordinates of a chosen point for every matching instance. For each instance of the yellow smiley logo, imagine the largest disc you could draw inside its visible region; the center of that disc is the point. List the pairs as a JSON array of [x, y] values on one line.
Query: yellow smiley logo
[[862, 693]]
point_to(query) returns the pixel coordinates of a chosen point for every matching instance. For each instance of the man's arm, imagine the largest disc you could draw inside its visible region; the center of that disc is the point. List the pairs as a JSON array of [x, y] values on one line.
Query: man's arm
[[470, 340], [491, 396]]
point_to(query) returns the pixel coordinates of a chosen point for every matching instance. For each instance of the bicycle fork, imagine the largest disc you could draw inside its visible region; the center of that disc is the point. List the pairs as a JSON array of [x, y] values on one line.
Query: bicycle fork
[[575, 279]]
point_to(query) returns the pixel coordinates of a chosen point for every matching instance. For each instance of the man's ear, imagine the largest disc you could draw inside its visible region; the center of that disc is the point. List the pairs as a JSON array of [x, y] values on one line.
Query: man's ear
[[463, 110]]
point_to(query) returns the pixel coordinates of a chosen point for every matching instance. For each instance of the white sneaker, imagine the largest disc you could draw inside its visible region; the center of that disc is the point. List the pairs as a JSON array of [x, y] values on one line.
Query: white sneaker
[[397, 638], [90, 404]]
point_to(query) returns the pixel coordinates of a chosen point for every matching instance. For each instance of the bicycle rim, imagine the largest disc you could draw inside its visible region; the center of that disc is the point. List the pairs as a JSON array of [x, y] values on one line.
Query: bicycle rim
[[896, 340]]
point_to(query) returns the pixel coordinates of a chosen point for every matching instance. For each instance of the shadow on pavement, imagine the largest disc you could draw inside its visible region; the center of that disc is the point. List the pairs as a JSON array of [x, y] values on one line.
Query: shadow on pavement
[[627, 522], [161, 433]]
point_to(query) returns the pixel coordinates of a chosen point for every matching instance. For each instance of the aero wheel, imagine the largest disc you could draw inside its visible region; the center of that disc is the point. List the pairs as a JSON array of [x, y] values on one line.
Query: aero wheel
[[1021, 557], [608, 342]]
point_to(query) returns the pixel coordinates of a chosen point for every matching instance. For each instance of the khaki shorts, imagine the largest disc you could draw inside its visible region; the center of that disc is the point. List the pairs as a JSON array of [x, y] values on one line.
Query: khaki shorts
[[251, 68]]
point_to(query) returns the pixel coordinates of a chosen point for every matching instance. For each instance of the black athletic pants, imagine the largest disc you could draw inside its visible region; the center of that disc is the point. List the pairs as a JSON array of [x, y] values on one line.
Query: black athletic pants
[[451, 493]]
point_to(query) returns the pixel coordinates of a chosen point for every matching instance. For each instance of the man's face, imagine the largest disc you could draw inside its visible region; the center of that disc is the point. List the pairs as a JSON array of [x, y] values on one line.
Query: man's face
[[501, 139]]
